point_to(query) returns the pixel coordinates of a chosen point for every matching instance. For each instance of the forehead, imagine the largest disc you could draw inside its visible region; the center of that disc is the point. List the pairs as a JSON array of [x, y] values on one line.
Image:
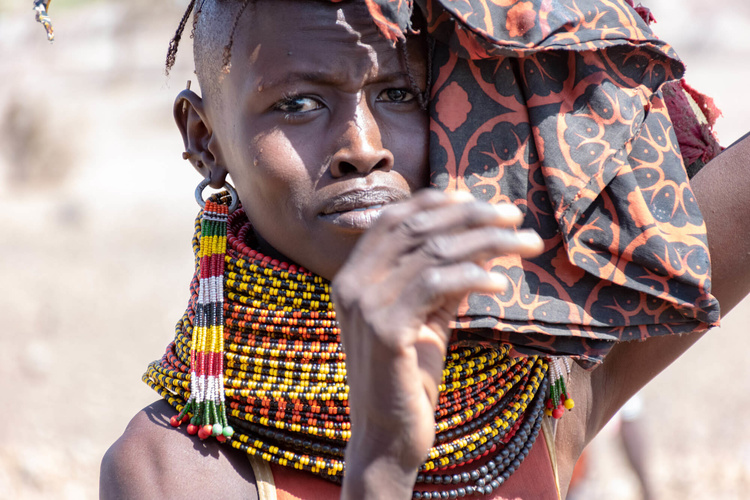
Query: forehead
[[325, 38]]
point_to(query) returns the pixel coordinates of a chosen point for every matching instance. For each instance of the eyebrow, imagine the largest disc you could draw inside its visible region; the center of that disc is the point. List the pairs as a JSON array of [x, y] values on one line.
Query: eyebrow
[[325, 78]]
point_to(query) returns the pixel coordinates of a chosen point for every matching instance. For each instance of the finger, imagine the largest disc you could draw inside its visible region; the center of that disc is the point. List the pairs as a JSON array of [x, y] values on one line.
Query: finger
[[379, 245], [459, 217], [440, 288], [477, 245], [406, 227]]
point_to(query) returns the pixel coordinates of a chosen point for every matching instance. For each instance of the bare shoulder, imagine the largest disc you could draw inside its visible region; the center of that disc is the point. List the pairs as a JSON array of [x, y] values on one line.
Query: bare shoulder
[[153, 460]]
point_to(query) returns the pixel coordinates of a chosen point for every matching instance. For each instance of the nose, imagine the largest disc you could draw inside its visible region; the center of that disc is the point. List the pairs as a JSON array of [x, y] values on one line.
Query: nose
[[360, 147]]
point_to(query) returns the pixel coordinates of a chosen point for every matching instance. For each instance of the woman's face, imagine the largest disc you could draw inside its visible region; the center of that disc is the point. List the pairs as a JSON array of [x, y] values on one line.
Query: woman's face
[[319, 127]]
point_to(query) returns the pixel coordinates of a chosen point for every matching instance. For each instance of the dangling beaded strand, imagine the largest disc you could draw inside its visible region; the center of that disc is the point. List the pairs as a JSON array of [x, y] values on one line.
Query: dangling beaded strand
[[558, 400], [206, 402]]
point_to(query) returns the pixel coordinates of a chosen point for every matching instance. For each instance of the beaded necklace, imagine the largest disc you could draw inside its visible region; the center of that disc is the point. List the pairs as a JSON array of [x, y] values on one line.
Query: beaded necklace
[[284, 375]]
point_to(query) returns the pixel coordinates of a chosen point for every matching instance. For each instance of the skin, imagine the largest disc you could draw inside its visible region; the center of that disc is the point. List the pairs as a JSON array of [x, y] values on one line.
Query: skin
[[317, 126]]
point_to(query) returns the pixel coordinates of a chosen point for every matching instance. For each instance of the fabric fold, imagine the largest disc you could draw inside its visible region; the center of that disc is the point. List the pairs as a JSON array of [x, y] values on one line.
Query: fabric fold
[[555, 106]]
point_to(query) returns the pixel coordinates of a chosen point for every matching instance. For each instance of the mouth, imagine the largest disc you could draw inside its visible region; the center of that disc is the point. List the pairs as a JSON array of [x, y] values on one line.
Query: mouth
[[358, 210]]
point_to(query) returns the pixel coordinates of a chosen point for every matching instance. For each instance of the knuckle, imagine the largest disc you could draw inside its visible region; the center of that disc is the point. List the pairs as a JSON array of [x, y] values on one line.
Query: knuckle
[[432, 279], [472, 272], [413, 227], [438, 248]]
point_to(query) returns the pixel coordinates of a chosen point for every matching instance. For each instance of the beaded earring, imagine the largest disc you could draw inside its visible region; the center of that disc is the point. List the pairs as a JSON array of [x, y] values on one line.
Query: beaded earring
[[206, 402]]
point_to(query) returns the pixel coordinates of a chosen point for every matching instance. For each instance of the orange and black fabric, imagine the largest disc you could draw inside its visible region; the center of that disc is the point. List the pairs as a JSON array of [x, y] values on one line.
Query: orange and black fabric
[[555, 106]]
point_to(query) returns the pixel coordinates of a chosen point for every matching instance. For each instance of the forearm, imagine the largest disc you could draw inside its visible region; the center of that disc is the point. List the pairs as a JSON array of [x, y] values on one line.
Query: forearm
[[722, 189], [374, 470]]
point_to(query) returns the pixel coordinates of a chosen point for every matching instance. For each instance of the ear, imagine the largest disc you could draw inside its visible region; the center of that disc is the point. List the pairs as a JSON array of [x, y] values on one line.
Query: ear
[[197, 134]]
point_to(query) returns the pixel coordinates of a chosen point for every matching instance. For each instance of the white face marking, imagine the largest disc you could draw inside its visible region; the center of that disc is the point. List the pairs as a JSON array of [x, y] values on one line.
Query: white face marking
[[341, 21]]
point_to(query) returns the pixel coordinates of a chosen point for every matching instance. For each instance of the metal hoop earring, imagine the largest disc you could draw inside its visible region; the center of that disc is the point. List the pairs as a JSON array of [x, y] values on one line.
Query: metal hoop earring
[[234, 199]]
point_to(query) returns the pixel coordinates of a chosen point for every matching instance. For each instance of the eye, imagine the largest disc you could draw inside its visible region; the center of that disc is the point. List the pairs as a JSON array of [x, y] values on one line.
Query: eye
[[396, 95], [297, 104]]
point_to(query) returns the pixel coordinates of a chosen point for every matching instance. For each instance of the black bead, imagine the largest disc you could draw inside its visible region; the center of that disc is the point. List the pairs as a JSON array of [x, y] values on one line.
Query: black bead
[[420, 478], [444, 495], [428, 479], [465, 477], [491, 465], [494, 483], [516, 464], [452, 494], [456, 478], [416, 495], [437, 479], [461, 492], [479, 483], [474, 475], [426, 495]]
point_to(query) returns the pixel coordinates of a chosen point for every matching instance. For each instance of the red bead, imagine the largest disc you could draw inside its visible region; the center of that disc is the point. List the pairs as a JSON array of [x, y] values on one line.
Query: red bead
[[221, 439], [557, 413], [203, 434], [192, 429], [174, 422]]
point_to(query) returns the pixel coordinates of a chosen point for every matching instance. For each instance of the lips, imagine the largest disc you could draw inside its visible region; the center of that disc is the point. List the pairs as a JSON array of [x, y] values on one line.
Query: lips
[[359, 209]]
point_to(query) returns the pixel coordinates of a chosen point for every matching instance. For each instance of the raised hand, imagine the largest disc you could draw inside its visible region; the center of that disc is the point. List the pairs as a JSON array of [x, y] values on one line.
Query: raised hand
[[394, 299]]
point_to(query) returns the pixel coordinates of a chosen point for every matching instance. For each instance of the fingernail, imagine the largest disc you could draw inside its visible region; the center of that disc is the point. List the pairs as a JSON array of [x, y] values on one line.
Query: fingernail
[[530, 238], [498, 278], [508, 210], [464, 196]]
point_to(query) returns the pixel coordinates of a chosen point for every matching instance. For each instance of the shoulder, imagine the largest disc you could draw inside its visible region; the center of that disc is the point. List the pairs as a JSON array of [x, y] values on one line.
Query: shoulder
[[153, 460]]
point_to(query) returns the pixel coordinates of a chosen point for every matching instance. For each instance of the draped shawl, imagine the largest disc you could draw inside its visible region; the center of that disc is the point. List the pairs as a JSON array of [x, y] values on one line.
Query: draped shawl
[[555, 106]]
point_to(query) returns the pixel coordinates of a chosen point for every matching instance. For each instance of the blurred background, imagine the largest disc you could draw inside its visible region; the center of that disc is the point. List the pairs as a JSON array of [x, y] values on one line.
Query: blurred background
[[95, 252]]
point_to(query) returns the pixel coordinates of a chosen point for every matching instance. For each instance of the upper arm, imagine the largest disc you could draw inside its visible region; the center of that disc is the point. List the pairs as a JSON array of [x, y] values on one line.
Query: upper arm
[[153, 460], [131, 466], [126, 473], [722, 189]]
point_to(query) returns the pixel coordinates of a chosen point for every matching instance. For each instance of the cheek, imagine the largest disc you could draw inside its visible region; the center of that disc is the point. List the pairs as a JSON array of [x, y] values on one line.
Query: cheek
[[410, 150], [275, 179]]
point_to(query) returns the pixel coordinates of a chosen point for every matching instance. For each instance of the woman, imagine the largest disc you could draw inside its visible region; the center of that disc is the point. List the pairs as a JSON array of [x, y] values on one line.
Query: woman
[[318, 119]]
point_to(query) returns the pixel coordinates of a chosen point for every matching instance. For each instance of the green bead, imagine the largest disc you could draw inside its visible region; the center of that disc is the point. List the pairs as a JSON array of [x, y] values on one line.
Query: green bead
[[217, 430], [228, 431]]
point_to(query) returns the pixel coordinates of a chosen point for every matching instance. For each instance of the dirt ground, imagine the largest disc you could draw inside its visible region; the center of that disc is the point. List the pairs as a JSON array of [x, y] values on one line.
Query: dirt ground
[[95, 256]]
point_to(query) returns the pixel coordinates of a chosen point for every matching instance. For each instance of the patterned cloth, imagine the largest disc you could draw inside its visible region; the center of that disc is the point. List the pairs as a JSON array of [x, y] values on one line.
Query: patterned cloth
[[555, 106]]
